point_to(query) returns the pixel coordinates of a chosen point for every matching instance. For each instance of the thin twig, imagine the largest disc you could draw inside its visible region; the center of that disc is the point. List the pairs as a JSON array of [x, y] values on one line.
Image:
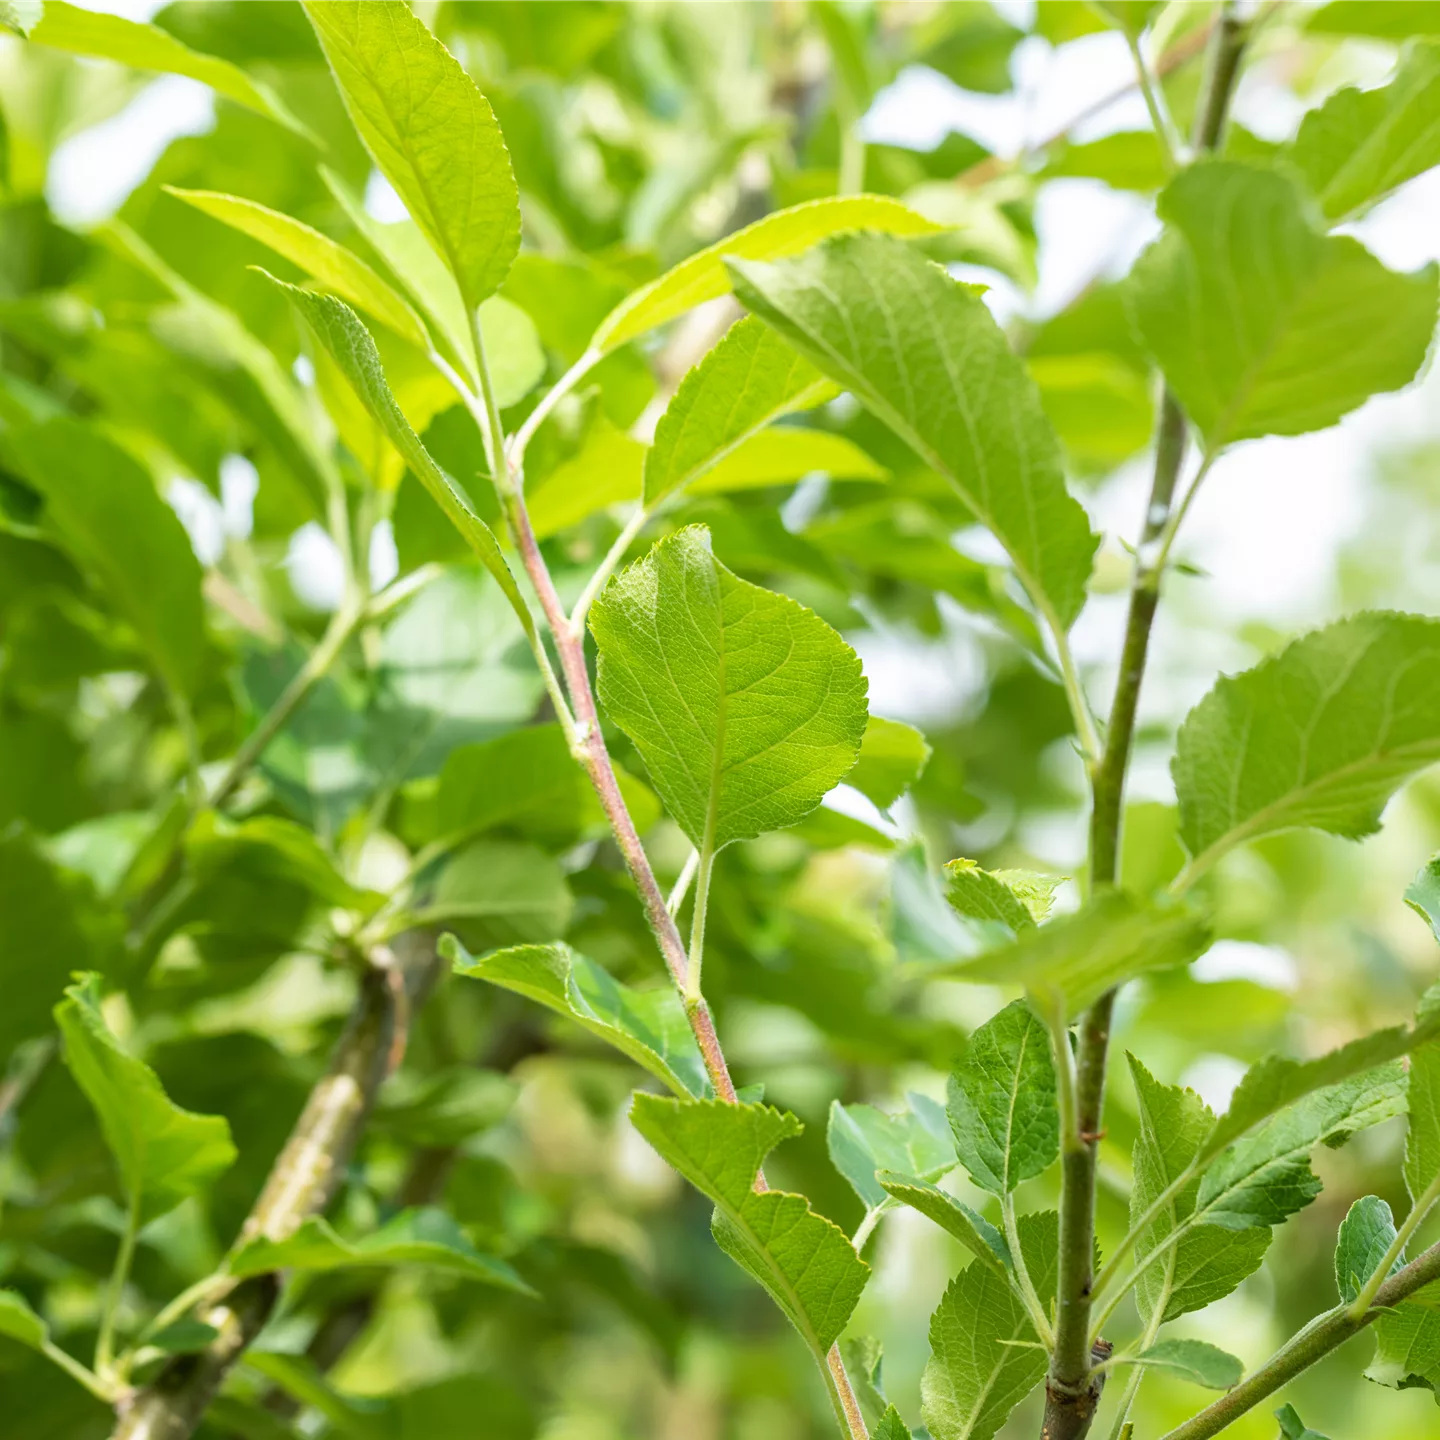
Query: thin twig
[[1071, 1394], [1324, 1334]]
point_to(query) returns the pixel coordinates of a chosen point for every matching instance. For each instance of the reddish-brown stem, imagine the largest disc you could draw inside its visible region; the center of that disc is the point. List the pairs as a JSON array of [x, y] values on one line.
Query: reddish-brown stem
[[594, 755]]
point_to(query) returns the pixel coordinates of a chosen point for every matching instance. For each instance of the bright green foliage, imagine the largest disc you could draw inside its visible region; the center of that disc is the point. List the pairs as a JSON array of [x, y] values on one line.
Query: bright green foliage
[[780, 456], [1422, 895], [955, 1217], [647, 1025], [322, 258], [340, 330], [1266, 1178], [164, 1154], [1422, 1139], [426, 1237], [275, 850], [496, 892], [432, 133], [1002, 1101], [1407, 1343], [1361, 144], [82, 31], [1131, 16], [975, 1378], [924, 353], [107, 510], [983, 895], [745, 706], [748, 380], [1292, 1427], [1262, 324], [52, 925], [804, 1261], [1319, 735], [1277, 1081], [892, 757], [1207, 1262], [19, 1322], [864, 1141], [891, 1427], [703, 276], [527, 779], [1079, 956], [1366, 1234], [1196, 1361]]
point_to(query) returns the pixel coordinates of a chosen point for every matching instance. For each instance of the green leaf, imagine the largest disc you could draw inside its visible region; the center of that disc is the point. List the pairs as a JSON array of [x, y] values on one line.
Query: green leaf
[[748, 380], [52, 925], [340, 330], [953, 1216], [1407, 1344], [1262, 324], [1366, 1234], [892, 757], [183, 1337], [431, 132], [1422, 895], [444, 1108], [1360, 144], [165, 1154], [863, 1140], [499, 892], [647, 1025], [1002, 1105], [1131, 16], [1276, 1081], [1422, 1139], [605, 471], [805, 1262], [1207, 1262], [423, 1236], [19, 1322], [1292, 1427], [1195, 1361], [977, 1374], [323, 259], [528, 779], [268, 848], [147, 47], [745, 706], [1266, 1178], [782, 455], [21, 16], [891, 1427], [1393, 20], [703, 275], [983, 895], [1320, 735], [923, 352], [1076, 958], [106, 509], [245, 374]]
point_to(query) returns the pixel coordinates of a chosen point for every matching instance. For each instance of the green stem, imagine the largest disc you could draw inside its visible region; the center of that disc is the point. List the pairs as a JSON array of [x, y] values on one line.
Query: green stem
[[1324, 1334], [520, 441], [99, 1387], [1071, 1394], [1160, 120], [1132, 1388], [1418, 1211], [124, 1257], [697, 921], [607, 567], [1024, 1285], [342, 626], [681, 887]]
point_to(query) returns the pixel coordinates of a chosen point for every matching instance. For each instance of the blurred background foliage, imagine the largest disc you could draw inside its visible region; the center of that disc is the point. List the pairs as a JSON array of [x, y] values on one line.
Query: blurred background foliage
[[638, 134]]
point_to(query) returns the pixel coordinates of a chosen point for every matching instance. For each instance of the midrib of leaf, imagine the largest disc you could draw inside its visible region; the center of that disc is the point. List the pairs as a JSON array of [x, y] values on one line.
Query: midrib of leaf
[[1010, 1115], [1240, 833], [902, 425], [782, 1280], [1268, 348]]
